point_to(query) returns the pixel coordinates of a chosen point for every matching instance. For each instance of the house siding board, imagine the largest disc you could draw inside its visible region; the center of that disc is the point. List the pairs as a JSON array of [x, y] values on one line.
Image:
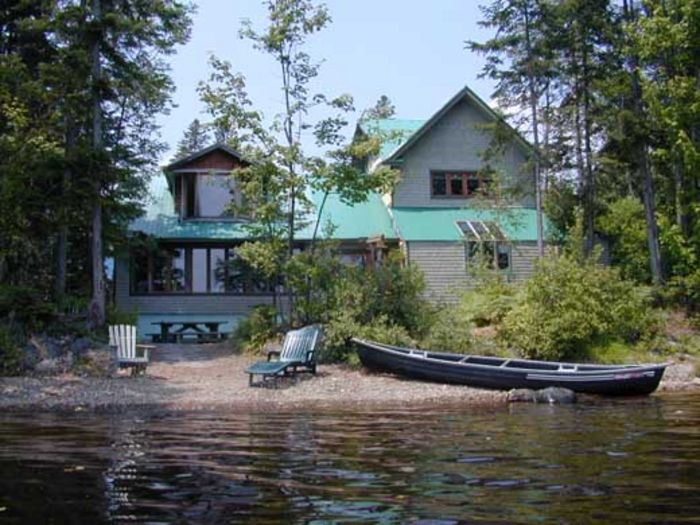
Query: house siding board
[[523, 257], [180, 304], [455, 142], [444, 267], [215, 160]]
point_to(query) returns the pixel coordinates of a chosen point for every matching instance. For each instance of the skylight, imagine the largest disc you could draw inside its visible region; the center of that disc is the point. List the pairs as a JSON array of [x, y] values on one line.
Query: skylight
[[481, 230]]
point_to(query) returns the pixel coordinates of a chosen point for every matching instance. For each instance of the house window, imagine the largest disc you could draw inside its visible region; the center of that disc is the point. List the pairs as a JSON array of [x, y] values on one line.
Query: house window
[[214, 195], [206, 195], [168, 271], [194, 269], [456, 184], [486, 246], [487, 254]]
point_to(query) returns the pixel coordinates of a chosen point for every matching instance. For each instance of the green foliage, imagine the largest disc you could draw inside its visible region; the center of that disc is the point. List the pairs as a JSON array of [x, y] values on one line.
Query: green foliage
[[623, 223], [119, 316], [10, 352], [26, 307], [560, 204], [343, 326], [489, 301], [568, 305], [383, 303], [450, 331], [253, 332]]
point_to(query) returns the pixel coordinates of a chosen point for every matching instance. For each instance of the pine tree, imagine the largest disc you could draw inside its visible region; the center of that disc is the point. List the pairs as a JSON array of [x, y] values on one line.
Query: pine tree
[[519, 60], [195, 138], [382, 109]]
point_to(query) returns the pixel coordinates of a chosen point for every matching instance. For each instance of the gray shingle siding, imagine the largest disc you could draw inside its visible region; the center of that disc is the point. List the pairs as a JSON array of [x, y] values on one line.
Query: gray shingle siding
[[444, 266], [455, 142]]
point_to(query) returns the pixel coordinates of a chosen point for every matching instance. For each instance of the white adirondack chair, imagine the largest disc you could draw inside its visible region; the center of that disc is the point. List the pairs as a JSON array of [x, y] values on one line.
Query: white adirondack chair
[[129, 354]]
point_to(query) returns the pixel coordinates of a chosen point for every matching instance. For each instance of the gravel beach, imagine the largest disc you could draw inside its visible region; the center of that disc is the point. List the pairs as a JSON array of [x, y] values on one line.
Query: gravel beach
[[210, 377]]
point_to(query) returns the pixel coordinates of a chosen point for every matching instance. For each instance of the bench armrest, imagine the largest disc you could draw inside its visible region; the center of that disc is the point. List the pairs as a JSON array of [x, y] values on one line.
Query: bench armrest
[[145, 349], [273, 353]]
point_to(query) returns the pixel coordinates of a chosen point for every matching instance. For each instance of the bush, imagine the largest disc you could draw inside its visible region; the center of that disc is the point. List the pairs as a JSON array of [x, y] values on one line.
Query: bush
[[253, 332], [567, 306], [10, 353], [383, 303], [489, 302], [450, 332], [118, 316], [338, 332], [26, 307]]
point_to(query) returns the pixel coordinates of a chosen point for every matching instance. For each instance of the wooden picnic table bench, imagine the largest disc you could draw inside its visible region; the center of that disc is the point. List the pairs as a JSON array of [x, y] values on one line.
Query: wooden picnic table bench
[[178, 331]]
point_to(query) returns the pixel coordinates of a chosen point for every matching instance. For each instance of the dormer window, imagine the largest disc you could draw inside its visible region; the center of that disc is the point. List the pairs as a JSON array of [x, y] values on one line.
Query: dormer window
[[204, 184], [456, 184], [208, 195]]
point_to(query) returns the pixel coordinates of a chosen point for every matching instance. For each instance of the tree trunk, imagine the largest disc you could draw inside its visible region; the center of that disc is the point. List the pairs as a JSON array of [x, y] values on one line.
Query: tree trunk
[[535, 134], [682, 219], [62, 245], [648, 194], [97, 304], [589, 194], [650, 216]]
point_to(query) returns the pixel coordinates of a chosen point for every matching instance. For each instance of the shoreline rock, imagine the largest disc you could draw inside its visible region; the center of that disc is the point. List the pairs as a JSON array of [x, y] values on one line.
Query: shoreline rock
[[551, 396]]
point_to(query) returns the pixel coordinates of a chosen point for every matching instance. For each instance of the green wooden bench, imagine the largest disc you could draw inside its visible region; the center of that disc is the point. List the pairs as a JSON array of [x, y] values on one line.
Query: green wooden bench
[[298, 354]]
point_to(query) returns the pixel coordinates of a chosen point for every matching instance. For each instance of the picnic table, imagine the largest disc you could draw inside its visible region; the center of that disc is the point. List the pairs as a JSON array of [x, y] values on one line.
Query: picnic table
[[178, 331]]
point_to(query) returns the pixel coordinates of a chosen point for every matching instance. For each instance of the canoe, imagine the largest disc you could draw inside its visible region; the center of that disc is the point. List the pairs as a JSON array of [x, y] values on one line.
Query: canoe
[[505, 374]]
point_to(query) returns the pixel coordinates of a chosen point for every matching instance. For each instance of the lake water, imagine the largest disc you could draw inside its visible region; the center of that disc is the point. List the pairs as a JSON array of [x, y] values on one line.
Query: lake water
[[634, 461]]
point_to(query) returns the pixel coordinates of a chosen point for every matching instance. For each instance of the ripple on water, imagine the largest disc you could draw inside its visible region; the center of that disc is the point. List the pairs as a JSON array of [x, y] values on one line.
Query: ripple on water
[[612, 462]]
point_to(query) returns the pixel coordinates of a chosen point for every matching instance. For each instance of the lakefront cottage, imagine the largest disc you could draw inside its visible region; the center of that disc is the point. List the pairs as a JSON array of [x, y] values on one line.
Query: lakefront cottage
[[440, 215]]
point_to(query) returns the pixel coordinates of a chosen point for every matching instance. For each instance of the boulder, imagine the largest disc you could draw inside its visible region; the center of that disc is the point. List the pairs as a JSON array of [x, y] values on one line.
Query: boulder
[[30, 357], [522, 395], [556, 395], [49, 366], [80, 346], [48, 347], [551, 395]]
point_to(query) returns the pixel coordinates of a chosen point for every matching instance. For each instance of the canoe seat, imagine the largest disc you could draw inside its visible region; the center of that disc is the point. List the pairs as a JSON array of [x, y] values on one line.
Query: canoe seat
[[568, 368]]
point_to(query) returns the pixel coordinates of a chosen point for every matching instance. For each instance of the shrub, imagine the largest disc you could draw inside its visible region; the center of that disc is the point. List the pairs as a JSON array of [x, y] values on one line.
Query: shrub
[[26, 306], [10, 353], [383, 303], [450, 332], [568, 305], [338, 332], [253, 332], [489, 302], [118, 316]]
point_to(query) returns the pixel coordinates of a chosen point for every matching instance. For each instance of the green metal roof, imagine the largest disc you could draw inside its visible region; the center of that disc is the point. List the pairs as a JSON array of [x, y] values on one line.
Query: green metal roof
[[439, 224], [400, 130], [366, 219]]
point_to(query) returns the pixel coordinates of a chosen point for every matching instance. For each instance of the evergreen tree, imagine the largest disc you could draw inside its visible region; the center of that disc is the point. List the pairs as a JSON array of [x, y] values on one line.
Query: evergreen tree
[[518, 58], [64, 166], [195, 138], [381, 110]]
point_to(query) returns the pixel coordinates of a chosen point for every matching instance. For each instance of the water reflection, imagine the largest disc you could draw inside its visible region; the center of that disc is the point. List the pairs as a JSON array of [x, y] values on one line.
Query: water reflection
[[611, 463]]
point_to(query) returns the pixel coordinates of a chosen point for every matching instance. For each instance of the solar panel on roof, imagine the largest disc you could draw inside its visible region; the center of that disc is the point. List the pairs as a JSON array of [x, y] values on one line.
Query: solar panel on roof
[[495, 230], [481, 230], [467, 230]]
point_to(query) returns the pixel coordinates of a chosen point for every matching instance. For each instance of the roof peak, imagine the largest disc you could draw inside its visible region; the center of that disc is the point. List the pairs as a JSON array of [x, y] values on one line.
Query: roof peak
[[204, 151]]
